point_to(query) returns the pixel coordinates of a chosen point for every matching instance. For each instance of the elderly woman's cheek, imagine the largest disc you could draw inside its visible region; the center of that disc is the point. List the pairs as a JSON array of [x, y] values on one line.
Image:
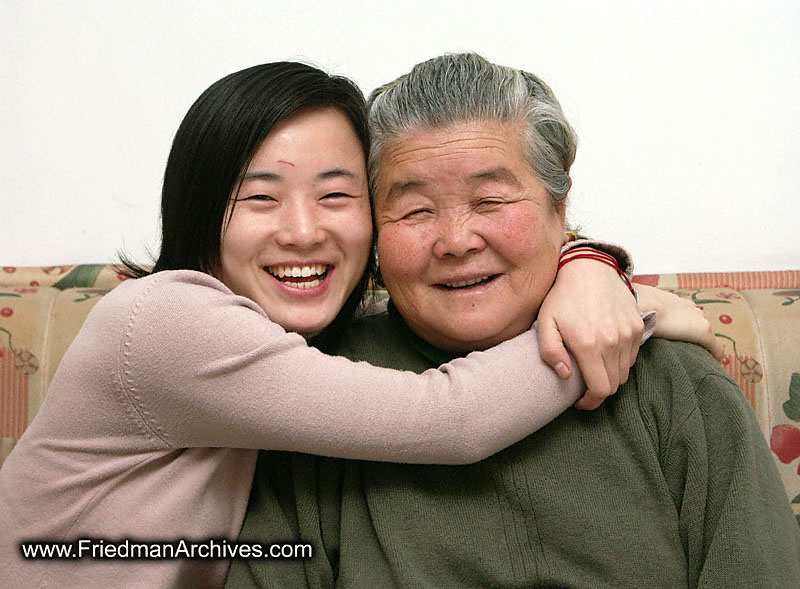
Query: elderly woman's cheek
[[401, 252]]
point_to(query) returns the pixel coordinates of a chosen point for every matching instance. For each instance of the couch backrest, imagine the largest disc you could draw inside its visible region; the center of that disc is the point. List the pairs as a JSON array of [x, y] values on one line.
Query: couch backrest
[[755, 314]]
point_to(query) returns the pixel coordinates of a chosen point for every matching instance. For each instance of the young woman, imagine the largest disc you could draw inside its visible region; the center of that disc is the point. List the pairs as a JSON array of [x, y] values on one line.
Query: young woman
[[150, 430]]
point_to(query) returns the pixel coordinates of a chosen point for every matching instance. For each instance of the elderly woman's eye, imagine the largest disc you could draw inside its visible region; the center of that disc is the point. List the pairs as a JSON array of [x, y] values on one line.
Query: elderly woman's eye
[[488, 204], [417, 213]]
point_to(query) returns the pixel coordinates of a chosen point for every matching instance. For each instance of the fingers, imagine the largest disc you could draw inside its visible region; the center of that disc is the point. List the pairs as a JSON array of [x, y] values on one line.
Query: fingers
[[708, 338], [589, 402], [605, 361], [552, 350], [628, 355], [679, 319], [717, 349], [624, 366], [590, 312], [598, 361], [636, 341], [712, 343]]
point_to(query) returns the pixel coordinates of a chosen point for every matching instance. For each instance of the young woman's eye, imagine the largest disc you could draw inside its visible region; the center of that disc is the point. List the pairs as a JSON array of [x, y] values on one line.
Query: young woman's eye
[[335, 195], [258, 197]]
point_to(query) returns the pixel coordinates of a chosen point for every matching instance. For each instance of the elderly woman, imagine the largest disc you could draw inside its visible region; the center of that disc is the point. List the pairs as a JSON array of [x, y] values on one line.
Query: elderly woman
[[470, 171]]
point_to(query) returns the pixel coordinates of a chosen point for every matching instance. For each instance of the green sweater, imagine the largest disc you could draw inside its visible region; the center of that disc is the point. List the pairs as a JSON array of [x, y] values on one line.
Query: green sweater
[[670, 483]]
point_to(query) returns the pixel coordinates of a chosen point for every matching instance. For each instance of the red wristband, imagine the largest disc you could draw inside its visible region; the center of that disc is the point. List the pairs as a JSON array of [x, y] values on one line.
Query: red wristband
[[588, 252], [592, 254]]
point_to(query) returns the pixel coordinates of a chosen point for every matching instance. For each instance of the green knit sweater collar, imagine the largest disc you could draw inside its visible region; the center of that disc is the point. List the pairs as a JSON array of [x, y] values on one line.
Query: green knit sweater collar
[[435, 355]]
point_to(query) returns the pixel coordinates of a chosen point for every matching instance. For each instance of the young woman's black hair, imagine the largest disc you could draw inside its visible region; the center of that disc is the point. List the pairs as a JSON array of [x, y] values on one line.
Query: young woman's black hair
[[214, 145]]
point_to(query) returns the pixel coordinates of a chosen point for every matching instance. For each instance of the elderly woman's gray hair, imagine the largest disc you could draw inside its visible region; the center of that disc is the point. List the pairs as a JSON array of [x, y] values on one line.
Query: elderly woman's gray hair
[[462, 87]]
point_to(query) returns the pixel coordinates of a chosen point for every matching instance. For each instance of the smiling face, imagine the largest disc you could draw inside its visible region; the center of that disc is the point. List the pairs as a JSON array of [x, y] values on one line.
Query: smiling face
[[468, 240], [300, 233]]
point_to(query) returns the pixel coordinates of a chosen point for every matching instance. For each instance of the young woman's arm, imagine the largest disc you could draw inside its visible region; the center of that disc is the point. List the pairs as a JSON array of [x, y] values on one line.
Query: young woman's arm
[[201, 367]]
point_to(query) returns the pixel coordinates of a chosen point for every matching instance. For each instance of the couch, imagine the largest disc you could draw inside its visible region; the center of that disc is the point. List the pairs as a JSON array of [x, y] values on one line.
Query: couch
[[756, 315]]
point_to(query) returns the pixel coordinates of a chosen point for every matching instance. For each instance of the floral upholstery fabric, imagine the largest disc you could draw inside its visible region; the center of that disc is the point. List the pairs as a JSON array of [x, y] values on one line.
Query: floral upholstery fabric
[[755, 314]]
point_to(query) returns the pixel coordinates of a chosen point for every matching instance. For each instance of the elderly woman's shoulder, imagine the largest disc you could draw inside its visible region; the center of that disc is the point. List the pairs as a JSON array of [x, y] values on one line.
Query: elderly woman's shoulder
[[684, 377], [673, 356]]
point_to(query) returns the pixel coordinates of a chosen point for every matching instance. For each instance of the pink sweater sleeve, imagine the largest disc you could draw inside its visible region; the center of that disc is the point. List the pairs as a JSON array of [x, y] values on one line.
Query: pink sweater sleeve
[[201, 367]]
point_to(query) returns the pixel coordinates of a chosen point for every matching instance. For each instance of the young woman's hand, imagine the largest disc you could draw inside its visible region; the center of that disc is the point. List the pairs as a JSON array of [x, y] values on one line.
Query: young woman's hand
[[678, 319], [591, 312]]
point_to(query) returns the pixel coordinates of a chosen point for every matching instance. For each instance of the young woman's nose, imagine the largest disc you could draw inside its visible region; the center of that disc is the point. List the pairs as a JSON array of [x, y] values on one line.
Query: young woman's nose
[[300, 226]]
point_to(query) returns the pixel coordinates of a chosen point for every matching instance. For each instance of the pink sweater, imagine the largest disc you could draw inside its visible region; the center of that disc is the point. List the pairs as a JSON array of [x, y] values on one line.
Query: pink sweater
[[150, 428]]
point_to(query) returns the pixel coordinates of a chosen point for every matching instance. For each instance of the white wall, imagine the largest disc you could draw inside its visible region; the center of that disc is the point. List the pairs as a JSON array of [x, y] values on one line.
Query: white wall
[[687, 110]]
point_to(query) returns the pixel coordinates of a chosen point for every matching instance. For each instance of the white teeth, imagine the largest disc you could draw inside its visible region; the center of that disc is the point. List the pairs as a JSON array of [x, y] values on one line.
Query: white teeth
[[466, 282], [310, 284], [298, 271]]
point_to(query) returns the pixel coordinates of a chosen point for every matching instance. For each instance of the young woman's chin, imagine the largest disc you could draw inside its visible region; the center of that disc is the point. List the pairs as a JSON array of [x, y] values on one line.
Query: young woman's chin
[[309, 325]]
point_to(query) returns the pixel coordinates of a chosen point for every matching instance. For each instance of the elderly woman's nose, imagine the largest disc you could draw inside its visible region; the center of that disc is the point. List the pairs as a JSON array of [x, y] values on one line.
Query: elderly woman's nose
[[456, 236], [300, 226]]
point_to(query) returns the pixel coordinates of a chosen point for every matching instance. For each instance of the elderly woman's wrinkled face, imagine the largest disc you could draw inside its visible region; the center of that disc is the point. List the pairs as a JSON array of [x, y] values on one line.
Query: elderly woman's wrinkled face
[[468, 240]]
